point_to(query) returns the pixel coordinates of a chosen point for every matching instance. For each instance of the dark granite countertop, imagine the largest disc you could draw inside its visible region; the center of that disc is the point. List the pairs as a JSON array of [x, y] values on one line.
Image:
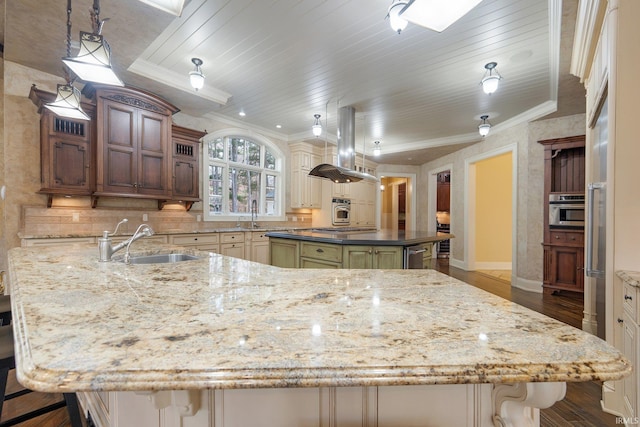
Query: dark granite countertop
[[364, 237]]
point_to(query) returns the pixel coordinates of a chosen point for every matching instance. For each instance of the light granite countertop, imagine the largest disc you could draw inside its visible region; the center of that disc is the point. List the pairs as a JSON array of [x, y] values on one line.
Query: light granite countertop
[[221, 322], [630, 277]]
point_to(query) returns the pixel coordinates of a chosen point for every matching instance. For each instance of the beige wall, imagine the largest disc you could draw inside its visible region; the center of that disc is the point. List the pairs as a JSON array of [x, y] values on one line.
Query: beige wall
[[493, 210], [530, 176]]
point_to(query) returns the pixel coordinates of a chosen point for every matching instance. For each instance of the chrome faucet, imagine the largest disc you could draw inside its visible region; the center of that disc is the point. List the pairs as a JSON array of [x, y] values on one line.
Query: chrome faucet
[[106, 249], [254, 213], [142, 231]]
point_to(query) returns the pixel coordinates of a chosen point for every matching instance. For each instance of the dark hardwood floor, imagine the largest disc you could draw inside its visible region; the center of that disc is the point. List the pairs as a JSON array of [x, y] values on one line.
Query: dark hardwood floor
[[581, 407]]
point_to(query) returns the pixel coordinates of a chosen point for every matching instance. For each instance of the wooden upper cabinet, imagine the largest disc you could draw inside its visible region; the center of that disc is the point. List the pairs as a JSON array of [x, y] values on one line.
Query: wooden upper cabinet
[[185, 158], [66, 152], [133, 149]]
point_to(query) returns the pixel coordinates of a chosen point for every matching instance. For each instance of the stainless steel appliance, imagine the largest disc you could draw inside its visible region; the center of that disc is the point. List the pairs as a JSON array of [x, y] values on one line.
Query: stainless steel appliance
[[566, 210], [340, 211], [596, 224], [443, 245], [414, 257]]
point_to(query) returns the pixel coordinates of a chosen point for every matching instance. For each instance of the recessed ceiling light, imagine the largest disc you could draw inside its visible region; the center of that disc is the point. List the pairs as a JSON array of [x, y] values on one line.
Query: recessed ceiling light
[[173, 7], [279, 126], [242, 113]]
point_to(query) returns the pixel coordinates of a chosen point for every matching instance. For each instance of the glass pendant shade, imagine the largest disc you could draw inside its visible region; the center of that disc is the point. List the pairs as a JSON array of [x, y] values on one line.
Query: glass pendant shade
[[196, 78], [376, 150], [93, 63], [317, 127], [490, 81], [490, 84], [484, 127], [67, 103], [397, 22]]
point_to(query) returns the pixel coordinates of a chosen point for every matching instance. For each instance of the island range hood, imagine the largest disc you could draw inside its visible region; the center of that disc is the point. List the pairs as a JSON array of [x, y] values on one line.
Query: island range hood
[[345, 170]]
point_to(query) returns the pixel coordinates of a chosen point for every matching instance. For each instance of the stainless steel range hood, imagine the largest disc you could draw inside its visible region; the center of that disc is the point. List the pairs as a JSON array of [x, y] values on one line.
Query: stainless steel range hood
[[345, 170]]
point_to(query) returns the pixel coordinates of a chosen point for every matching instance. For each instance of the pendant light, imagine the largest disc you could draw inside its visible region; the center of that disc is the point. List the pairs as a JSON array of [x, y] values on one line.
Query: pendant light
[[490, 81], [93, 63], [196, 77], [67, 103], [376, 150], [317, 127], [484, 127], [397, 22]]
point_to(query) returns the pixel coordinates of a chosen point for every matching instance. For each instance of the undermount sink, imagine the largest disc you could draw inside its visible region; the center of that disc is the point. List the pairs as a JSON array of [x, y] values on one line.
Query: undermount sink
[[161, 258]]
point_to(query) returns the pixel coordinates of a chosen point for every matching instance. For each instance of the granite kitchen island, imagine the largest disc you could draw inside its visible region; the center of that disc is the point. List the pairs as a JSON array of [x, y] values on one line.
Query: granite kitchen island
[[344, 247], [221, 341]]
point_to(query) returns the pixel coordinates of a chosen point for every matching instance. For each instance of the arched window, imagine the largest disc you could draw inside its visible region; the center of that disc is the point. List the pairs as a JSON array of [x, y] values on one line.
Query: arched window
[[242, 175]]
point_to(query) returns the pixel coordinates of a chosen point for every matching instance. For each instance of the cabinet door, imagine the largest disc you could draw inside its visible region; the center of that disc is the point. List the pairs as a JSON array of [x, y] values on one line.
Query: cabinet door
[[358, 257], [630, 351], [119, 152], [260, 252], [387, 257], [566, 268], [152, 156], [443, 192], [235, 250], [185, 180], [284, 253]]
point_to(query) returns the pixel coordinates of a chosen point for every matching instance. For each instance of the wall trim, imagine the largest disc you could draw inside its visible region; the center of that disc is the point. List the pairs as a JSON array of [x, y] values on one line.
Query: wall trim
[[526, 284], [489, 265]]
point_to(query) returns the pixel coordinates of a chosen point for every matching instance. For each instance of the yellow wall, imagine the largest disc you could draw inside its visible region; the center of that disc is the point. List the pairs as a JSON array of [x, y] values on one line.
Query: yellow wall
[[493, 209]]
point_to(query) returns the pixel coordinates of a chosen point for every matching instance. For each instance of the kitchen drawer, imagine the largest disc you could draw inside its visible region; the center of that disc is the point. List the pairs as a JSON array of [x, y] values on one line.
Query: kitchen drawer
[[630, 301], [567, 237], [194, 239], [259, 236], [323, 251], [232, 237]]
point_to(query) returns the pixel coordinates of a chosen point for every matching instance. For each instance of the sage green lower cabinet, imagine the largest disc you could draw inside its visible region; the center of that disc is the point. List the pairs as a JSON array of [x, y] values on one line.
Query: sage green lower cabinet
[[291, 253], [320, 255], [377, 257], [284, 253]]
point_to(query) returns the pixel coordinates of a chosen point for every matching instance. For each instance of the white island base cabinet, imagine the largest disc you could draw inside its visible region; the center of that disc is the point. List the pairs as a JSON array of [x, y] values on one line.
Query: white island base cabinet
[[482, 405]]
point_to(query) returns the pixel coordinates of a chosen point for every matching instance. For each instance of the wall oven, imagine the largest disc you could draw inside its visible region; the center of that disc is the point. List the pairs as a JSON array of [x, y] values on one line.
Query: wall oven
[[340, 211], [566, 210]]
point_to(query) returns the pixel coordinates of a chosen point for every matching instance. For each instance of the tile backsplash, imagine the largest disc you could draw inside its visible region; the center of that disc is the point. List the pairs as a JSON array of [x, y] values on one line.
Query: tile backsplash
[[39, 222]]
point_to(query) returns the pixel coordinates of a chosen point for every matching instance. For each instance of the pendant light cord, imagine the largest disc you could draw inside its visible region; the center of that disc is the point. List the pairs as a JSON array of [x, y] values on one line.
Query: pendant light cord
[[67, 73]]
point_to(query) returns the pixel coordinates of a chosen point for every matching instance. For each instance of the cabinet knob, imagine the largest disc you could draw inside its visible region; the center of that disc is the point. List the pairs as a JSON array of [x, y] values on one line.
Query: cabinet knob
[[319, 250], [620, 320], [557, 237], [572, 237], [377, 252], [628, 298]]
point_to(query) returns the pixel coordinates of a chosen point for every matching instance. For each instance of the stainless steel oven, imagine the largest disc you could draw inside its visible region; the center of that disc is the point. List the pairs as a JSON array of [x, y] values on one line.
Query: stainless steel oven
[[340, 211], [566, 210]]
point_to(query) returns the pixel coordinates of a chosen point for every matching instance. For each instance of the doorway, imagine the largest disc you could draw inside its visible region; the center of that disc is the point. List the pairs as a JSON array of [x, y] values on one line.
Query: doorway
[[397, 202], [490, 208]]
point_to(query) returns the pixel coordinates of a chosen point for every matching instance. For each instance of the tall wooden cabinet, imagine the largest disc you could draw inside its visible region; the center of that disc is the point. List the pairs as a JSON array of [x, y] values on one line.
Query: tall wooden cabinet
[[132, 143], [564, 172]]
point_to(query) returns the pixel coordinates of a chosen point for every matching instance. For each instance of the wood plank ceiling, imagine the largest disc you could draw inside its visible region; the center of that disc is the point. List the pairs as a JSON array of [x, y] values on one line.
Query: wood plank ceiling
[[282, 61]]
